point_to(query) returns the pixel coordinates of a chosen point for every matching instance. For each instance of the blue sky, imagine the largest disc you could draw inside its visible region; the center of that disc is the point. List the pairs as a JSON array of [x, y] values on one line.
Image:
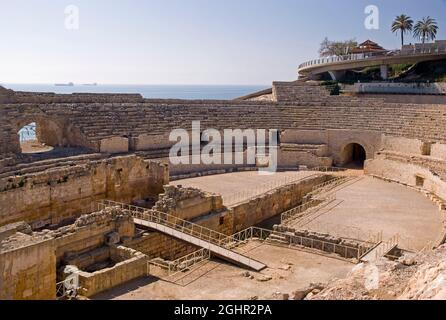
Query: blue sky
[[185, 41]]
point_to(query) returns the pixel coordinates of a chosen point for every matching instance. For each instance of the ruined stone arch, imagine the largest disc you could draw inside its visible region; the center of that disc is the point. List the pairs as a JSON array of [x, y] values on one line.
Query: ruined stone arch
[[48, 131]]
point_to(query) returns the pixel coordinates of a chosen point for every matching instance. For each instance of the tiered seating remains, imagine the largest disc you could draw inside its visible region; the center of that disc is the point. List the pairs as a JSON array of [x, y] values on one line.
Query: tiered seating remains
[[307, 110], [414, 121]]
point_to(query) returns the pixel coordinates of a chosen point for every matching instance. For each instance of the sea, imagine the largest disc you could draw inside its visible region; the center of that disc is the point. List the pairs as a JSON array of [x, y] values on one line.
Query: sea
[[189, 92], [219, 92]]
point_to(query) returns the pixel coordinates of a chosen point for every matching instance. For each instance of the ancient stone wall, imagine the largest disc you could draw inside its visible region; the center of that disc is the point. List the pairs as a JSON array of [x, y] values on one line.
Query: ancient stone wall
[[291, 91], [268, 205], [49, 197], [413, 162], [29, 261], [190, 204], [27, 268], [187, 203], [146, 124], [132, 266]]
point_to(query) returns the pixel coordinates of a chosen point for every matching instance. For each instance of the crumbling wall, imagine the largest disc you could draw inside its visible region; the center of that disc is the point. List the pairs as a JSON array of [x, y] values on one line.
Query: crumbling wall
[[132, 266], [52, 196], [187, 203], [268, 205], [27, 268], [90, 231], [190, 204]]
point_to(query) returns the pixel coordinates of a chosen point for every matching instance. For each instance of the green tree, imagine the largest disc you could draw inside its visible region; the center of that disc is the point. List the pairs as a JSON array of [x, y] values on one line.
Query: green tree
[[426, 29], [402, 24]]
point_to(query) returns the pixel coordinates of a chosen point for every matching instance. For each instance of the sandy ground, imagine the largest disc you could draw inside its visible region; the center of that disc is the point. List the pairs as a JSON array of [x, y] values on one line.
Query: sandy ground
[[289, 269], [33, 146], [230, 184], [374, 205]]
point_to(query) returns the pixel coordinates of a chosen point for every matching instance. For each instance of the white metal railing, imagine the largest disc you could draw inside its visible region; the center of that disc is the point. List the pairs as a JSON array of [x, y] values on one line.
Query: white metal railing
[[187, 227], [182, 264], [372, 242], [168, 220], [325, 169], [344, 250], [343, 231], [387, 246], [246, 195], [329, 185], [252, 233], [365, 56], [294, 213], [65, 291]]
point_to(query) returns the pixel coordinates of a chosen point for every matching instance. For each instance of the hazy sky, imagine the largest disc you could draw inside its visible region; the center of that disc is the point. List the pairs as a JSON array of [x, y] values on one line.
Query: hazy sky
[[185, 41]]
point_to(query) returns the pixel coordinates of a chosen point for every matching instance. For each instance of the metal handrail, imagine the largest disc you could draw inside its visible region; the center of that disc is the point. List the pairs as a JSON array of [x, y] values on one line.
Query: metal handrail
[[181, 264], [365, 56], [368, 245], [184, 226], [310, 243], [166, 219], [62, 292], [333, 183], [387, 246], [239, 197], [290, 214]]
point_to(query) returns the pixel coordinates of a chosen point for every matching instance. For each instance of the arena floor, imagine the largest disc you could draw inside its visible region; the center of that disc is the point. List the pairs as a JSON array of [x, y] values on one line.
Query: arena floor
[[372, 205], [238, 186], [288, 270], [361, 208]]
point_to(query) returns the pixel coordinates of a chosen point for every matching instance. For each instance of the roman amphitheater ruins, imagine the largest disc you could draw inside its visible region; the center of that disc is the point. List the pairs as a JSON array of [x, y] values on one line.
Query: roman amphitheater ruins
[[102, 214]]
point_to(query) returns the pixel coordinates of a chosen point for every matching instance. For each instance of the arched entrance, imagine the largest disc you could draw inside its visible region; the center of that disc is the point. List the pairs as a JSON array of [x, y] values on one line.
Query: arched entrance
[[31, 140], [354, 155]]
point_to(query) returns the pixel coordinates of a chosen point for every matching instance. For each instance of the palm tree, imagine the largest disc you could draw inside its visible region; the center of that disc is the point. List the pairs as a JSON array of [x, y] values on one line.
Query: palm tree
[[403, 24], [426, 29]]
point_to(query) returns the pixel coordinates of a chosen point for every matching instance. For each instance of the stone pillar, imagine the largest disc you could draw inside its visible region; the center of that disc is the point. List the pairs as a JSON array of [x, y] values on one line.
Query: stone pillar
[[384, 72]]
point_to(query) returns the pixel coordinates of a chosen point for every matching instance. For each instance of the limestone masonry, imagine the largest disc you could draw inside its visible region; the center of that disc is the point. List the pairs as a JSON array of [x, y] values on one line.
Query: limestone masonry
[[105, 207]]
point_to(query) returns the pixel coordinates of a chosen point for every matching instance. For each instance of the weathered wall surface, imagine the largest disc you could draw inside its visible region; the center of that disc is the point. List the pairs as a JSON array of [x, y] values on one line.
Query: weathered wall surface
[[407, 173], [335, 142], [403, 145], [114, 145], [28, 271], [292, 159], [50, 197], [29, 262], [132, 266], [147, 123], [291, 91], [412, 162], [89, 232], [190, 204], [187, 203], [273, 203]]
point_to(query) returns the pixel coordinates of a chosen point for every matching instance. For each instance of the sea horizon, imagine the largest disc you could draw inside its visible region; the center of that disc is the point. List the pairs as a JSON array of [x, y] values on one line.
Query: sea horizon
[[148, 91]]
